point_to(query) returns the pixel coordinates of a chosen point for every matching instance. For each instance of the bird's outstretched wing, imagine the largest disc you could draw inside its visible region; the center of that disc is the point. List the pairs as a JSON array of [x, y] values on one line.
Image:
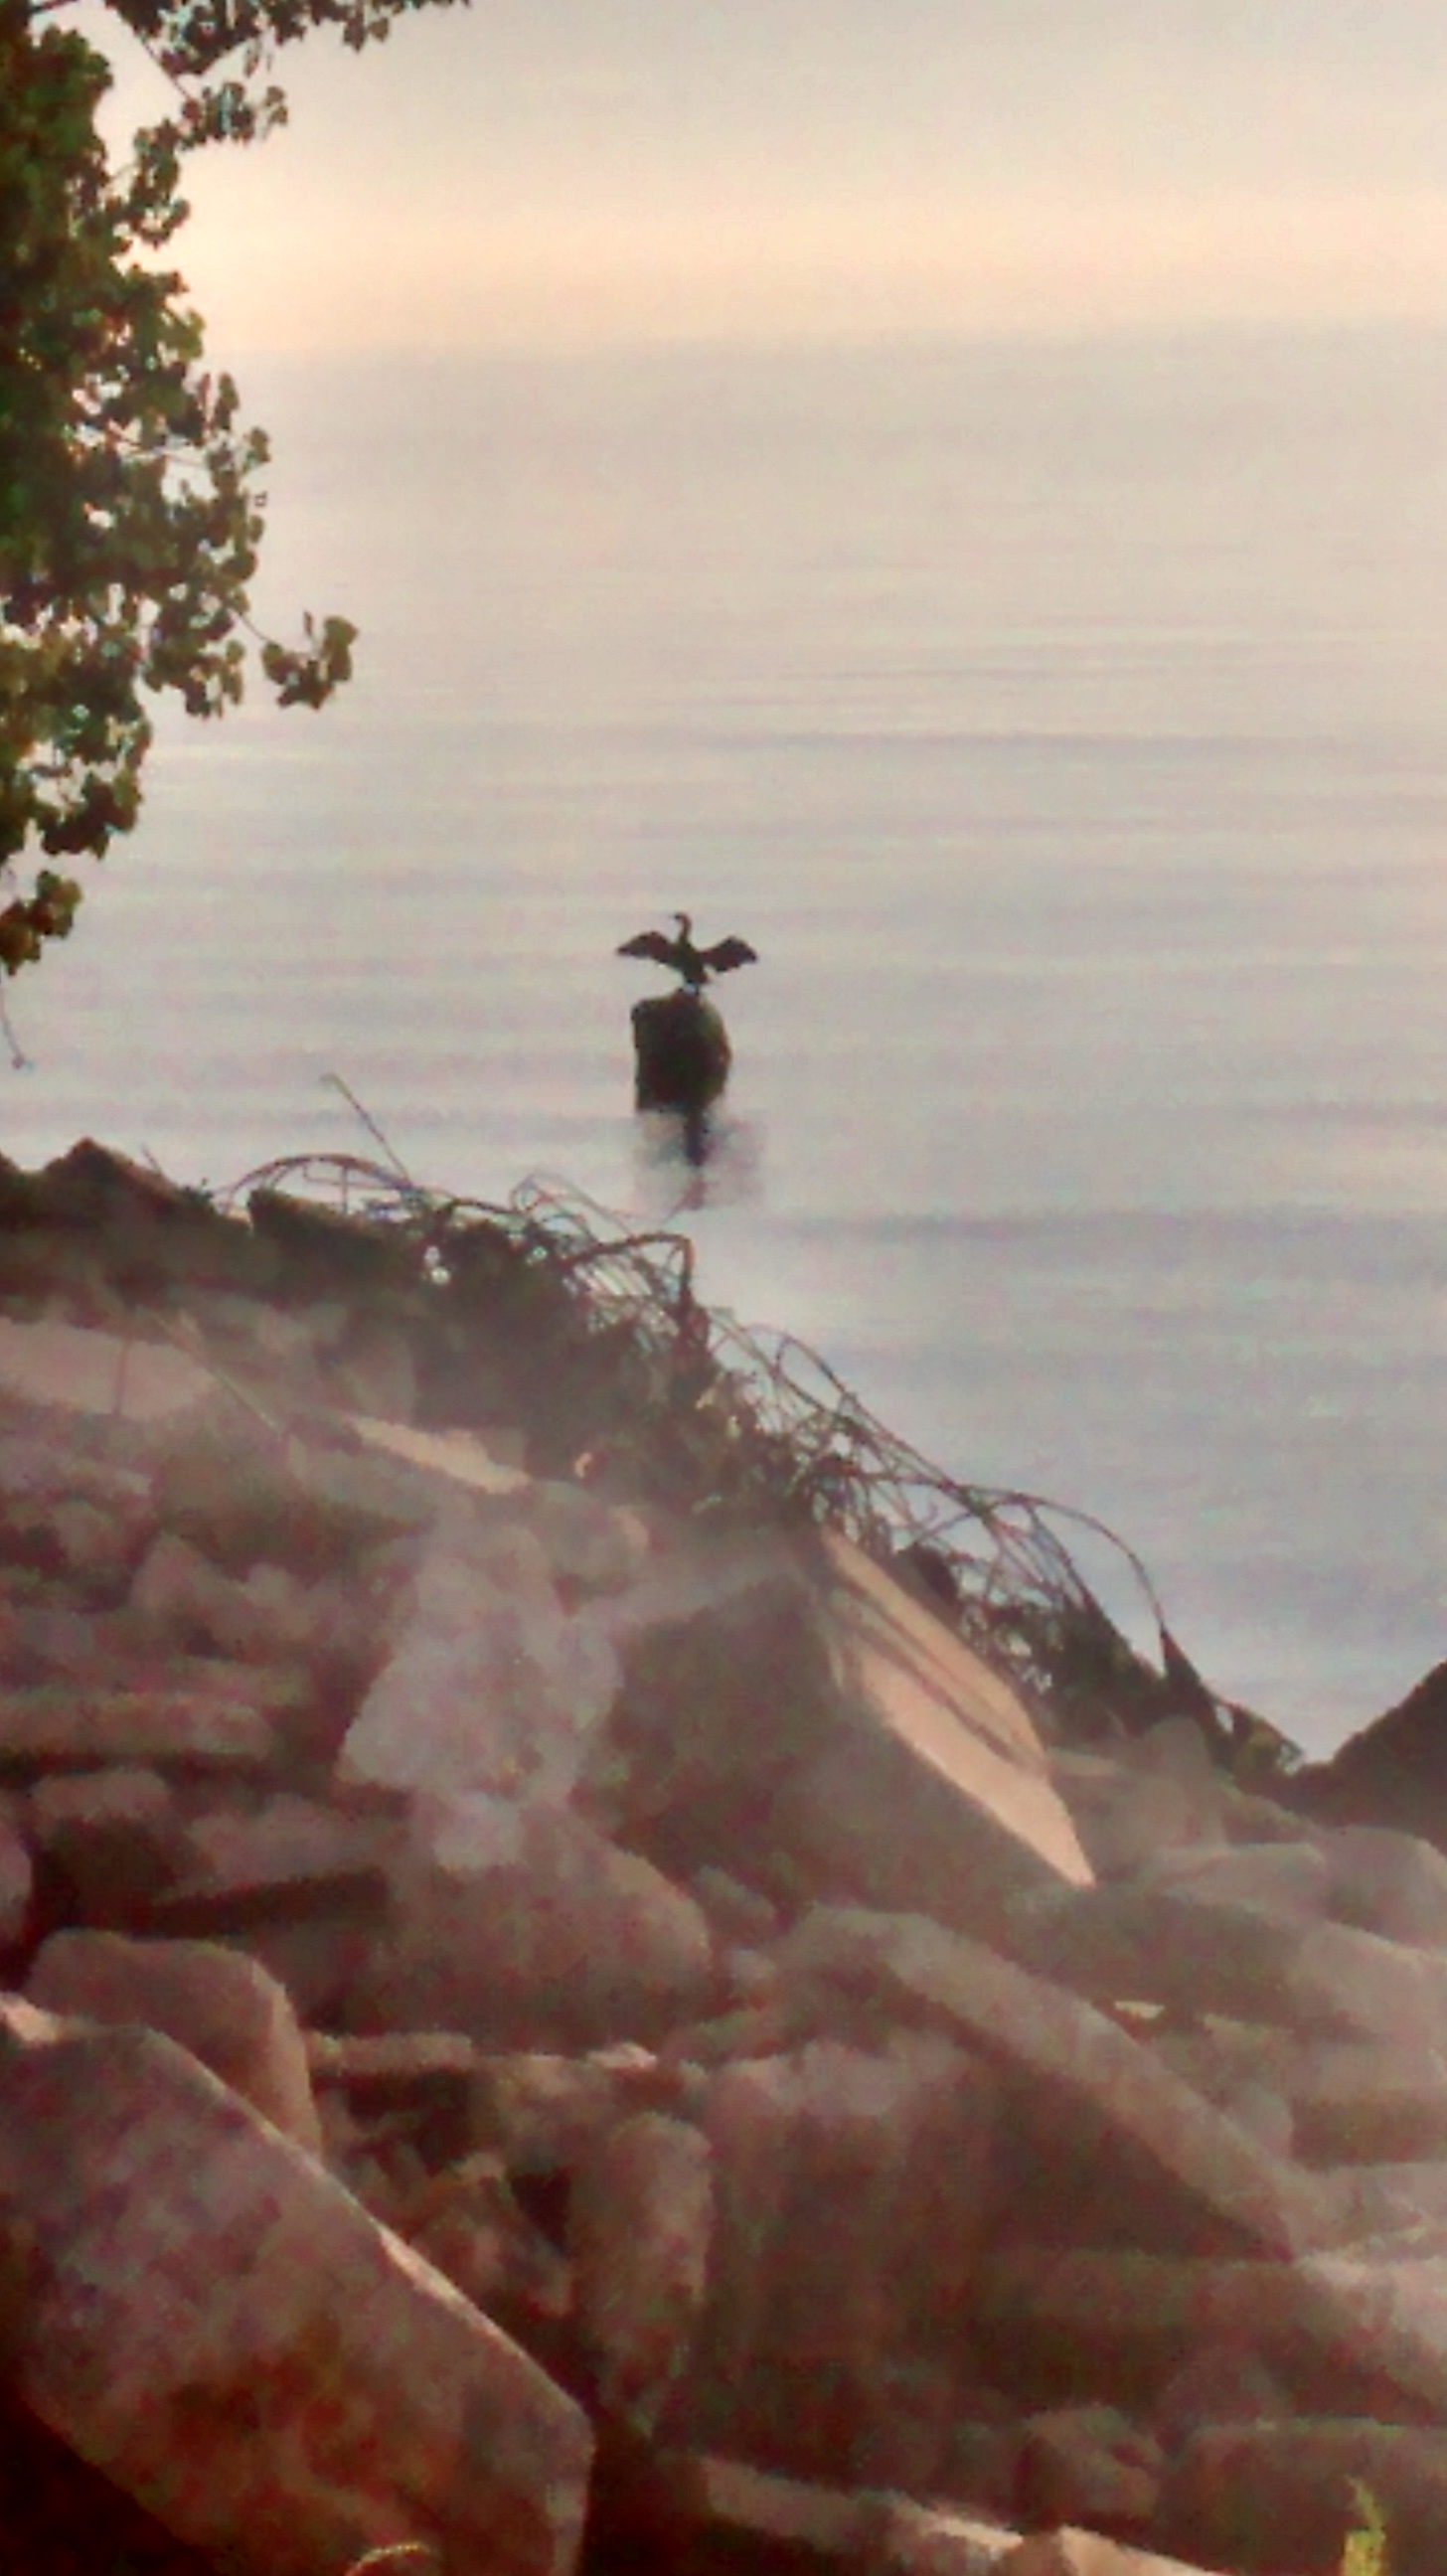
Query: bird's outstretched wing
[[649, 943], [728, 953]]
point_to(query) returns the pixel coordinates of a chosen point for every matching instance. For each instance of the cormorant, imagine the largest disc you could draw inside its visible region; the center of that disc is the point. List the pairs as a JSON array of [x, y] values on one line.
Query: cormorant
[[692, 965]]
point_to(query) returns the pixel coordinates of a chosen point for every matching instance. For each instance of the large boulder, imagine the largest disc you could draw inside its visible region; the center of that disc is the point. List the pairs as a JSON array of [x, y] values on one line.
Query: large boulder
[[1392, 1883], [201, 2312], [226, 1718], [525, 1926], [1172, 1946], [851, 2204], [934, 1790], [1360, 2102], [815, 1727], [1105, 2144], [490, 1685]]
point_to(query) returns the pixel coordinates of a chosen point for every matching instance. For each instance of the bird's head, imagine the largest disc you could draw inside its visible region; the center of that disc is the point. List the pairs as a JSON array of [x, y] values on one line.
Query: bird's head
[[685, 924]]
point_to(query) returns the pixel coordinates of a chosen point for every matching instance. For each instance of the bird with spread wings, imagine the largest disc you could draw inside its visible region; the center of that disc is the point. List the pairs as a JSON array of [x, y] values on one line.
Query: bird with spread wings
[[691, 964]]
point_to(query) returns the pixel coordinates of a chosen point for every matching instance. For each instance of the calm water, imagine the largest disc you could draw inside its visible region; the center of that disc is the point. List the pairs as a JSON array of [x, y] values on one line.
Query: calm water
[[1067, 727]]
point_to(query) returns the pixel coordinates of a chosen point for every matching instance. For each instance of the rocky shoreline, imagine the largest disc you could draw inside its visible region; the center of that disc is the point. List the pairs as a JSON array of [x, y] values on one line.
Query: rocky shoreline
[[561, 2013]]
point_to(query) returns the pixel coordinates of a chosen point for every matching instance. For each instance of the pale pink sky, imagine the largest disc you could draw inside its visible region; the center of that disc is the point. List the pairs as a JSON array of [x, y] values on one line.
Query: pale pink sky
[[573, 170]]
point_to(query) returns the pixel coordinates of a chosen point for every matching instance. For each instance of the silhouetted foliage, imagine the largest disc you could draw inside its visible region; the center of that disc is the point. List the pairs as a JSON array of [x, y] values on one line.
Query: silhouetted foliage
[[130, 513]]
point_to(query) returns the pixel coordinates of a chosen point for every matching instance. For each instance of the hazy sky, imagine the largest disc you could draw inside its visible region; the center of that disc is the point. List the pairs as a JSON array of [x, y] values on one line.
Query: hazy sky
[[559, 170]]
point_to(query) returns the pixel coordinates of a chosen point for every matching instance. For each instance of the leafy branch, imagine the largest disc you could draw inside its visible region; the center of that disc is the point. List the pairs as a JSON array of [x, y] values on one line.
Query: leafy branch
[[131, 514]]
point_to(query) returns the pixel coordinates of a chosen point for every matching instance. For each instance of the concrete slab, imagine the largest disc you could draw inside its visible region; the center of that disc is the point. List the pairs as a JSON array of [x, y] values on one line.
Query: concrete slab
[[933, 1792], [1105, 2134]]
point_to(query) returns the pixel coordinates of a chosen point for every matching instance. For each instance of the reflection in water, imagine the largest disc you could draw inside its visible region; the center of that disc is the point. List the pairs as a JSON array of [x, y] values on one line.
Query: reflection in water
[[688, 1159]]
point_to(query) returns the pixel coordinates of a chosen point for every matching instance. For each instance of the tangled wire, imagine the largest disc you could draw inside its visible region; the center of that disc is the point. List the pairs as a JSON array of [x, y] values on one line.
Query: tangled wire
[[723, 1420]]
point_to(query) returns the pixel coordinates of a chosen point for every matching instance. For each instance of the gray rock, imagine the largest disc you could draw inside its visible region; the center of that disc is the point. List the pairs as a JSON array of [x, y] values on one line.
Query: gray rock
[[491, 1686], [225, 2331], [526, 1926], [1392, 1883], [852, 2201], [1105, 2135], [1195, 1955], [222, 2007]]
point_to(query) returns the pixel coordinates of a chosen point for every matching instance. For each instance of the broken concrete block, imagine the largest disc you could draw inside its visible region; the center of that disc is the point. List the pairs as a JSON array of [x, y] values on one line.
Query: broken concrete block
[[768, 2029], [679, 2499], [525, 1925], [933, 1789], [222, 2329], [1386, 2200], [223, 2007], [1357, 2103], [794, 1715], [1158, 1945], [265, 1617], [1101, 2130], [640, 2223], [229, 1724], [1384, 2304], [805, 2354], [1392, 1883], [60, 2516], [221, 1482], [286, 1858], [726, 1687], [491, 1685], [1244, 2071], [1094, 2320], [1283, 1878], [1126, 1819]]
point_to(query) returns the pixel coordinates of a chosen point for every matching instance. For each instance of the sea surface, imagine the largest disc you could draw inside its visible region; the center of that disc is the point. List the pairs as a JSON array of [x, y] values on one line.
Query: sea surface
[[1066, 726]]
